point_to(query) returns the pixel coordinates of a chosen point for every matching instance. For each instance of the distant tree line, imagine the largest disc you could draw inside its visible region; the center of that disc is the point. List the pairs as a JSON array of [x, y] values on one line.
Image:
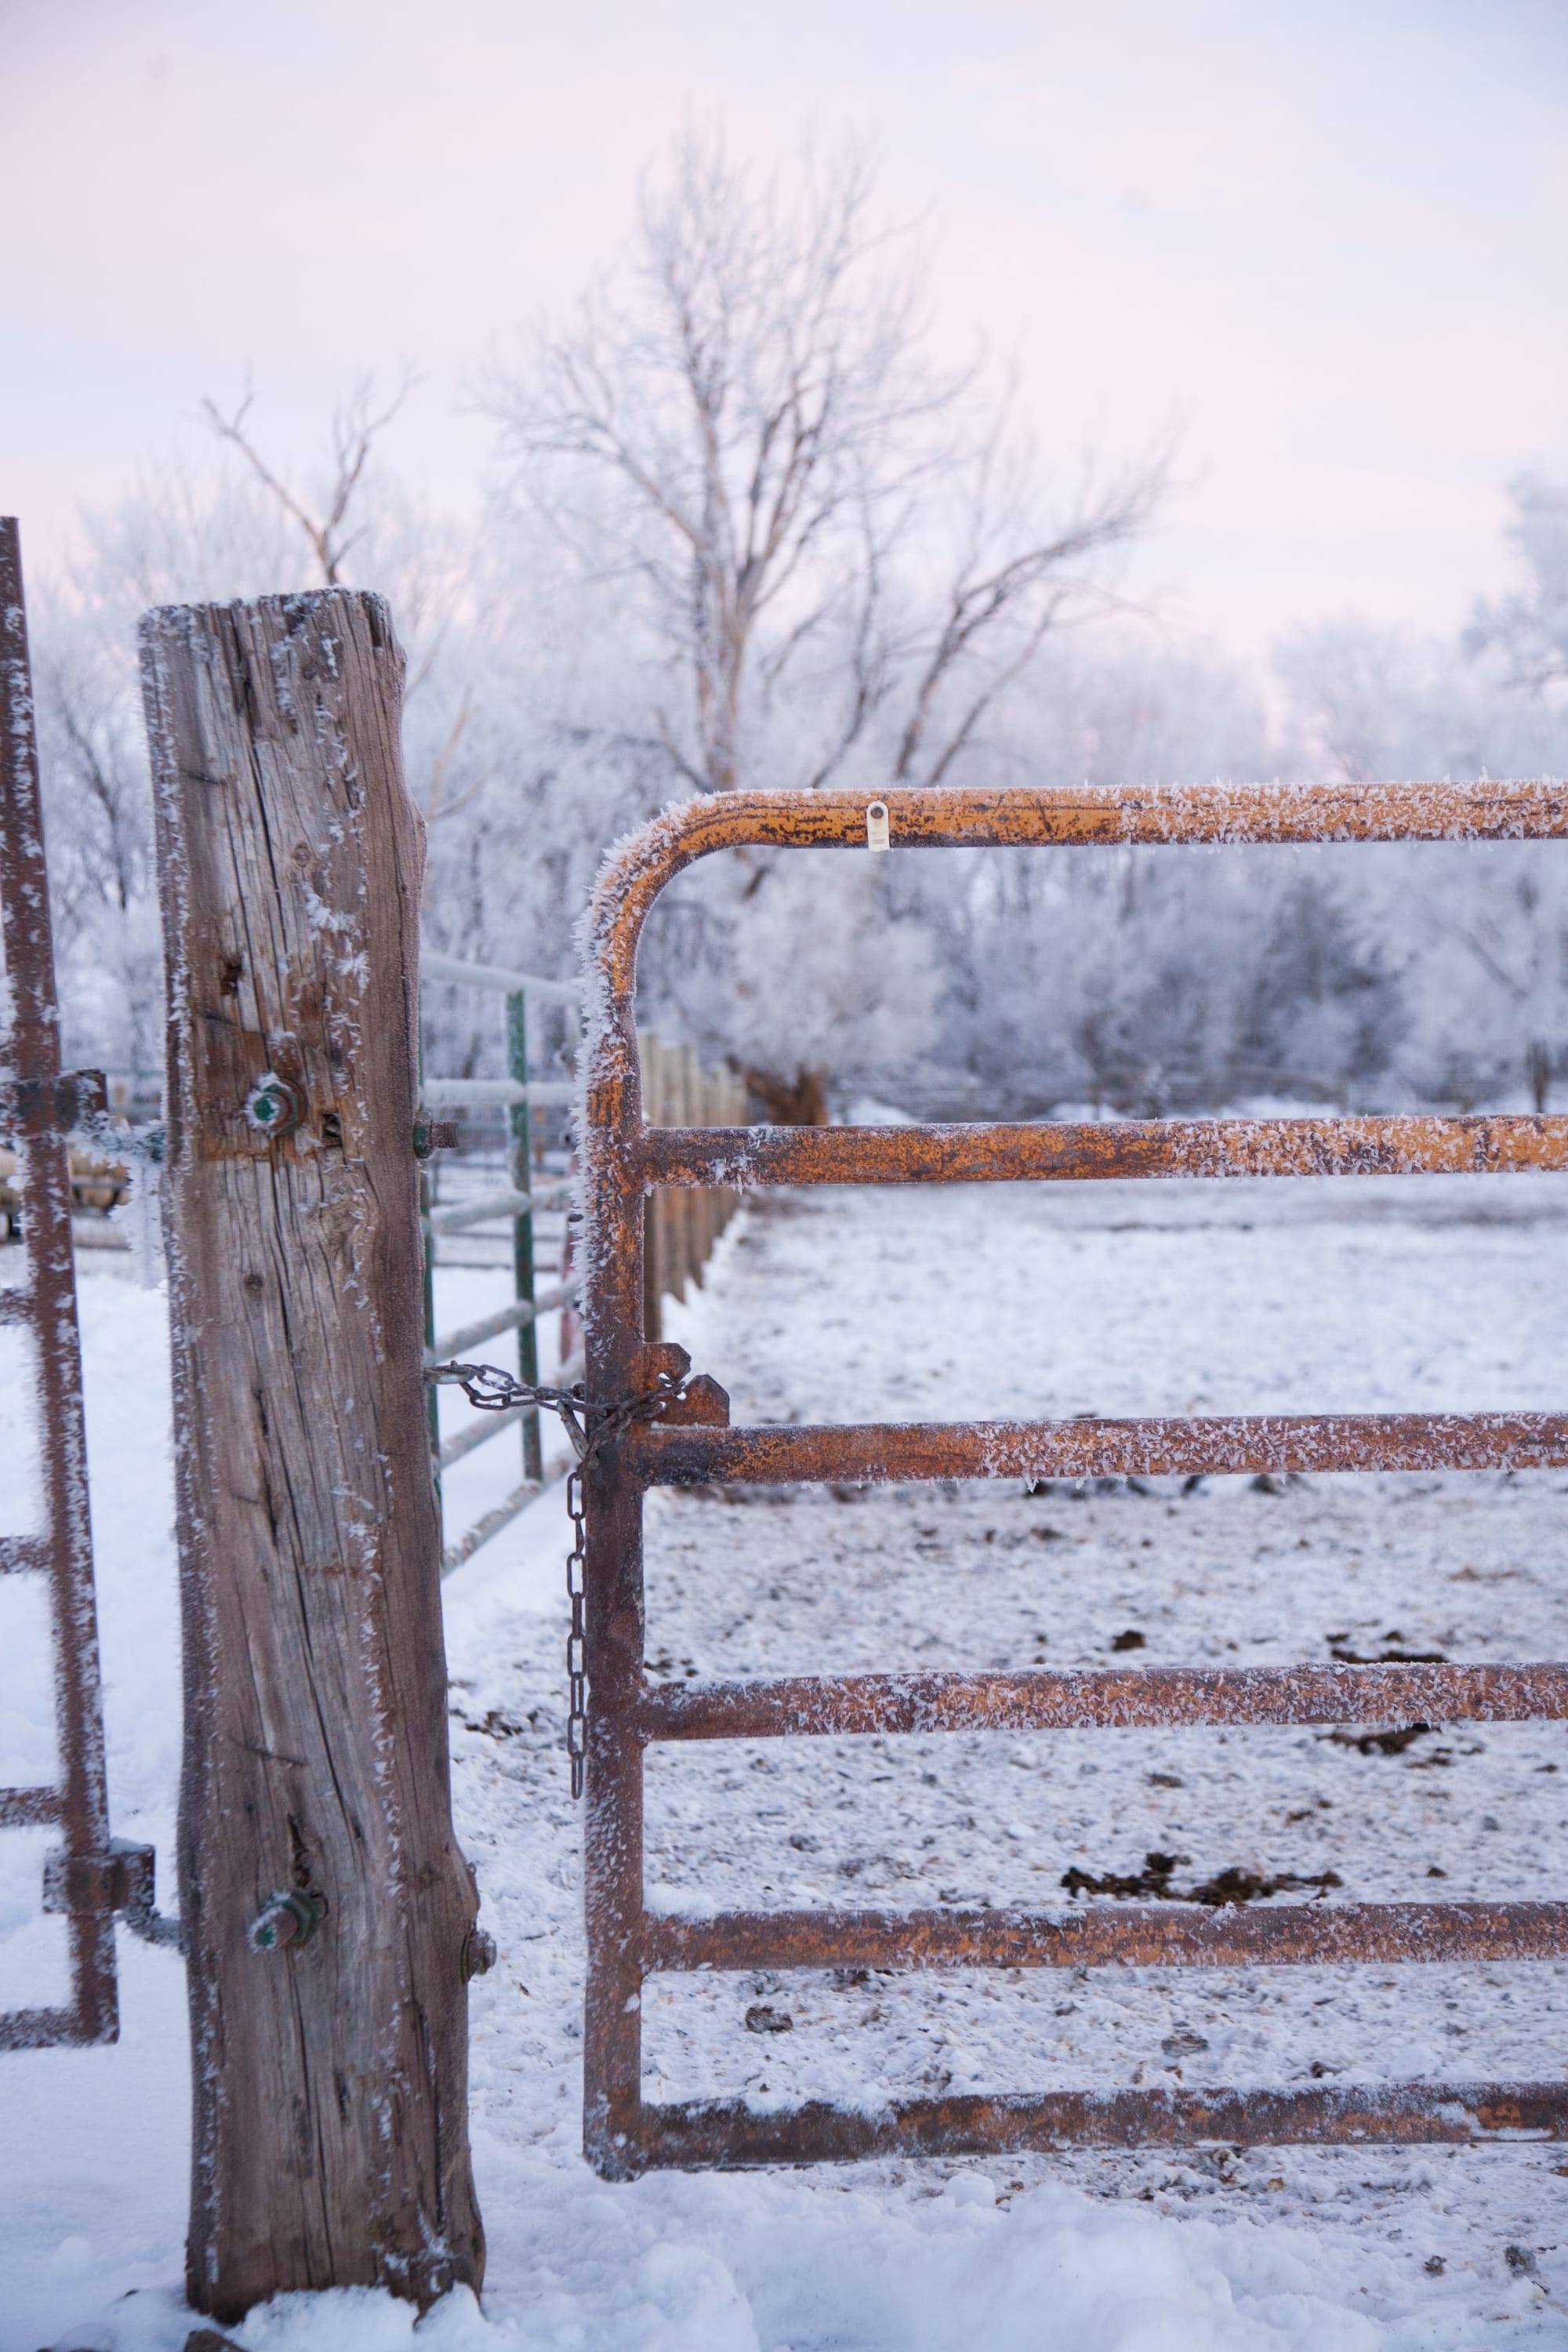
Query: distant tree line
[[743, 531]]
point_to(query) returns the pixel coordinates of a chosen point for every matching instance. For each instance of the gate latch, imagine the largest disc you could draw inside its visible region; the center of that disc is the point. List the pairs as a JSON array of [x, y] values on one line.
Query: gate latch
[[120, 1880]]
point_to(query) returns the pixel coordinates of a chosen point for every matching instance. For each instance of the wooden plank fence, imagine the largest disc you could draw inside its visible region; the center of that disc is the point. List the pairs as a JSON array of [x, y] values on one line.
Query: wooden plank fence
[[683, 1224]]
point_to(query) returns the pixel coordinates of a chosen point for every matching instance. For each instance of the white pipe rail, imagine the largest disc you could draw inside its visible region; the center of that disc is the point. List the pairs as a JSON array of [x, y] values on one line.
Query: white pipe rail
[[463, 1214], [511, 1318], [519, 1091], [505, 983], [488, 1425], [438, 1093], [490, 1524]]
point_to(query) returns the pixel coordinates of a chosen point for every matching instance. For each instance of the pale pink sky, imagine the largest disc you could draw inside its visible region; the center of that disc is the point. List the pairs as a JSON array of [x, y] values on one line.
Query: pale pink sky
[[1327, 238]]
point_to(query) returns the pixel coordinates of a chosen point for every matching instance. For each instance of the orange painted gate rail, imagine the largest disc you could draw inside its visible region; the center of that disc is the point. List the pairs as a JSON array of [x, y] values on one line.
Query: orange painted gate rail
[[688, 1442]]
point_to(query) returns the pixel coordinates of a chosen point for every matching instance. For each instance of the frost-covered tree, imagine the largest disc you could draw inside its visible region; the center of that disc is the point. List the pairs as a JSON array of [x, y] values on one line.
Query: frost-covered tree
[[192, 531], [833, 559], [751, 536], [1528, 628], [1476, 938], [818, 521]]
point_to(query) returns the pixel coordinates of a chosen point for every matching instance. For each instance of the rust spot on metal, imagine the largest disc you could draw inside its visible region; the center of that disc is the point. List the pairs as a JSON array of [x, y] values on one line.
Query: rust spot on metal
[[624, 1160]]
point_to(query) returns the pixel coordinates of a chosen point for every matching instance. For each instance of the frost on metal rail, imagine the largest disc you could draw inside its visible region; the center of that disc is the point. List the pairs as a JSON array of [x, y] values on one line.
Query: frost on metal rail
[[692, 1444], [87, 1876]]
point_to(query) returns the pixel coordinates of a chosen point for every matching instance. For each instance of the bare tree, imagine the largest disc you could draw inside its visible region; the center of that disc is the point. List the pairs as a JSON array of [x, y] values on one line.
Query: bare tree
[[355, 425], [1008, 586], [746, 423], [343, 519], [97, 785]]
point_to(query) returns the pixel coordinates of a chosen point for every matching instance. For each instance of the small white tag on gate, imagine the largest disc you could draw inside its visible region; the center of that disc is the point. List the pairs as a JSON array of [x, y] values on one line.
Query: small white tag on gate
[[877, 825]]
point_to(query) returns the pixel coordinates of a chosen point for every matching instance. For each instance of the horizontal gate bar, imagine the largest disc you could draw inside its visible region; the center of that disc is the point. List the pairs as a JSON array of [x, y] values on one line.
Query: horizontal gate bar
[[731, 2132], [15, 1305], [1043, 1150], [1050, 1698], [874, 1452], [23, 1555], [1149, 1935], [42, 2028], [27, 1809]]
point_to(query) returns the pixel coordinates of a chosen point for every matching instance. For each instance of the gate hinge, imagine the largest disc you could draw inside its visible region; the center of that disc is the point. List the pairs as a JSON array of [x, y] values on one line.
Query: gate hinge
[[54, 1106], [120, 1880]]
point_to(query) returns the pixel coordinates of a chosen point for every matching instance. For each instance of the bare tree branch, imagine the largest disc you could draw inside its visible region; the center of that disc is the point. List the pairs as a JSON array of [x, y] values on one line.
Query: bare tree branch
[[355, 425], [748, 418]]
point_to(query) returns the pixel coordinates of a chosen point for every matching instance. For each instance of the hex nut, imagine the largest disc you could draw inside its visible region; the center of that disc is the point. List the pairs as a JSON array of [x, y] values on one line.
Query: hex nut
[[273, 1107]]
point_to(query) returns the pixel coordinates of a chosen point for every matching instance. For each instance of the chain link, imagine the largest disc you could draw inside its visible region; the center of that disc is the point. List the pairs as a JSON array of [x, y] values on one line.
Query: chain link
[[587, 1426]]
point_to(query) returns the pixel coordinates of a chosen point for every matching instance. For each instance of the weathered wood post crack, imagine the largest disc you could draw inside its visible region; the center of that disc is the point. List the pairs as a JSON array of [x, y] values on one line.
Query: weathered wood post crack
[[327, 1912]]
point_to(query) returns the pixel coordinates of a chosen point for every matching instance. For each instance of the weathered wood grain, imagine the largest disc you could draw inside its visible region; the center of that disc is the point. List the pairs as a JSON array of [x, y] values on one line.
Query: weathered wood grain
[[331, 2139]]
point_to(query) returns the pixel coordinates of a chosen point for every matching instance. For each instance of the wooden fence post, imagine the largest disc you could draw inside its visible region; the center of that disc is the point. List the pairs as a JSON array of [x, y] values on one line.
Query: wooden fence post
[[328, 1913]]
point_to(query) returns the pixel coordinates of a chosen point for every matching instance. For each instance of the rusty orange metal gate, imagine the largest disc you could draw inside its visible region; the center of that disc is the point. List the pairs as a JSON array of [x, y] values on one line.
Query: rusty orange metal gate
[[88, 1877], [689, 1443]]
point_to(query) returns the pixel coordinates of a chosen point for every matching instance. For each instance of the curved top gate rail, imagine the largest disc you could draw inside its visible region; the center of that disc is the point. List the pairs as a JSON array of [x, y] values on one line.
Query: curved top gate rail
[[622, 1157], [658, 1427]]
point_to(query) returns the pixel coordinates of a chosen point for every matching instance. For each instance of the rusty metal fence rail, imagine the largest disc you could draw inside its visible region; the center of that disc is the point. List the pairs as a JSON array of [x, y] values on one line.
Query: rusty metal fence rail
[[684, 1439], [88, 1877]]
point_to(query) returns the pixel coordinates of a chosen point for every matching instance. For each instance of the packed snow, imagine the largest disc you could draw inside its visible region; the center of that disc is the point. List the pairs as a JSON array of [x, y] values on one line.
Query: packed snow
[[927, 1304]]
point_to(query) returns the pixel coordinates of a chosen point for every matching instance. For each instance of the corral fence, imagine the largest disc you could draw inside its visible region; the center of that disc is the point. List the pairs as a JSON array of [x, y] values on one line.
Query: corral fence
[[525, 1194], [684, 1226], [327, 1917], [662, 1426]]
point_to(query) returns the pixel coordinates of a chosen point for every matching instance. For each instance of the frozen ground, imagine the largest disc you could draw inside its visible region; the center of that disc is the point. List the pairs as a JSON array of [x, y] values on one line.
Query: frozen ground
[[920, 1305]]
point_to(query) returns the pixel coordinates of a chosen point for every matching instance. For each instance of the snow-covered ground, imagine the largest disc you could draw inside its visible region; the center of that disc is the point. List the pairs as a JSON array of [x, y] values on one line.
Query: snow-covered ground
[[922, 1305]]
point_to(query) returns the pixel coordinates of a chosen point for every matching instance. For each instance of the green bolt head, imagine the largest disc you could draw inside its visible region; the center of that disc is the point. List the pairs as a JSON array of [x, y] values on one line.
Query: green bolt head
[[286, 1919], [273, 1107]]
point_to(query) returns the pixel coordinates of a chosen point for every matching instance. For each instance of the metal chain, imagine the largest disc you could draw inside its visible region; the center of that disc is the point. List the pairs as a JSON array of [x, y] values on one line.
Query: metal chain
[[587, 1427], [577, 1640]]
